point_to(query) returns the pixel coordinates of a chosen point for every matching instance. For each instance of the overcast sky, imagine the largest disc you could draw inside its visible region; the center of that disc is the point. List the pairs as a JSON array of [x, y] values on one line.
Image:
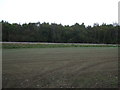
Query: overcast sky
[[66, 12]]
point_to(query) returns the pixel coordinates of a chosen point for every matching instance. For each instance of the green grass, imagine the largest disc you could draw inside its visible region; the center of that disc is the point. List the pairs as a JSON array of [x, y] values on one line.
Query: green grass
[[22, 45], [80, 67]]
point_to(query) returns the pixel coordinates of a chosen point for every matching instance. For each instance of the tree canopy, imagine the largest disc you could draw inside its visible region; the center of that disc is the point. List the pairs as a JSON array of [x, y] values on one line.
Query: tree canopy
[[57, 33]]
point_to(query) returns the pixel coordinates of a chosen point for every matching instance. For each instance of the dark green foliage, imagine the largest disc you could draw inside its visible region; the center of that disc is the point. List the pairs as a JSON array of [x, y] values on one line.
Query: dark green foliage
[[57, 33]]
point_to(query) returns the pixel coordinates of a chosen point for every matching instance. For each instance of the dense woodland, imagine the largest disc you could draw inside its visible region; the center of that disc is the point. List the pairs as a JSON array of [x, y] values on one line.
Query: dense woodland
[[57, 33]]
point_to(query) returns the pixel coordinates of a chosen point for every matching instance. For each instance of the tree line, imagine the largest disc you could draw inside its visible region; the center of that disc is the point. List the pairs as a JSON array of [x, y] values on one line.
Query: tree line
[[58, 33]]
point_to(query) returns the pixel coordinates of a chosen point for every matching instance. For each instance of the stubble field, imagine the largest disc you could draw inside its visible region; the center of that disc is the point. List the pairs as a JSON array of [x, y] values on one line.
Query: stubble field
[[68, 67]]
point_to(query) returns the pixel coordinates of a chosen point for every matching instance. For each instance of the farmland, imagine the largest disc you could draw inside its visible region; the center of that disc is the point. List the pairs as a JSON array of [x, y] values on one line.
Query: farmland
[[60, 67]]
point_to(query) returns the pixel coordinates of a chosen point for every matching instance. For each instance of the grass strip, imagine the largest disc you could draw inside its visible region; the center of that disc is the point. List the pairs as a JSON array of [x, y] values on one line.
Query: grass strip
[[22, 45]]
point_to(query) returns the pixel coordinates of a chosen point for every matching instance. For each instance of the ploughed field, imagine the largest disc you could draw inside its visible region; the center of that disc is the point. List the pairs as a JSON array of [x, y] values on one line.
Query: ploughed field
[[68, 67]]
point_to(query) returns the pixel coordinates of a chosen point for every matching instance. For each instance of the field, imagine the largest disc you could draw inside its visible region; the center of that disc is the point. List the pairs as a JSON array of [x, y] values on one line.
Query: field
[[60, 67]]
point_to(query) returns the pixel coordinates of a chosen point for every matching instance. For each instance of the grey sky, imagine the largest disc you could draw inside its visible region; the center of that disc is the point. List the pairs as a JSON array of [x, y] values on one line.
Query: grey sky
[[66, 12]]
